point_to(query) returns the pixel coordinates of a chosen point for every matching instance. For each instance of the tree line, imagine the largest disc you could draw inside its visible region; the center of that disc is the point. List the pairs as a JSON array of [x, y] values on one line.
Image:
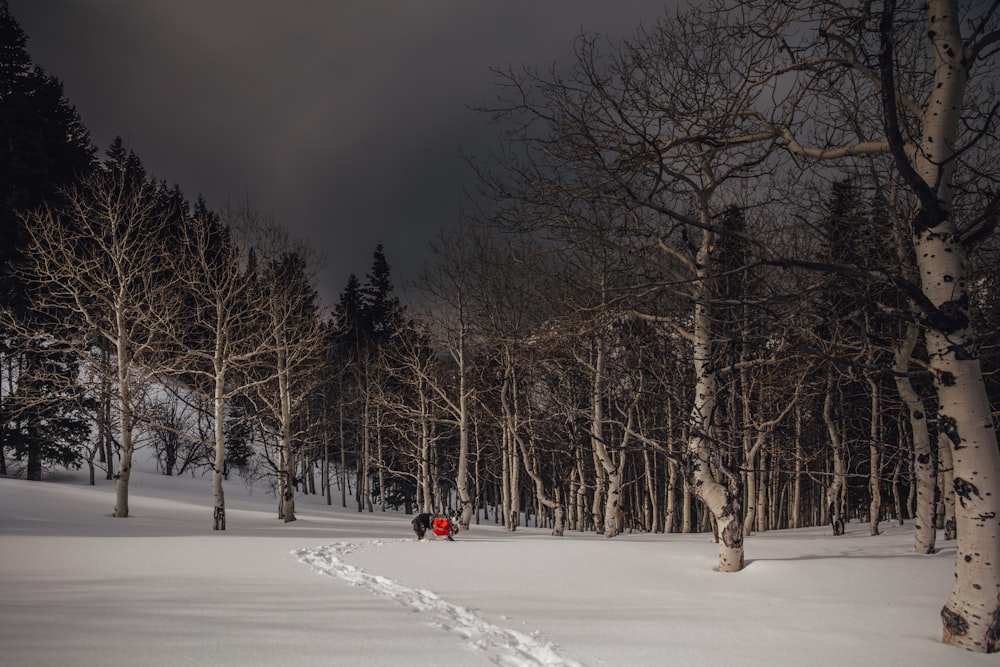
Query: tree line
[[733, 274]]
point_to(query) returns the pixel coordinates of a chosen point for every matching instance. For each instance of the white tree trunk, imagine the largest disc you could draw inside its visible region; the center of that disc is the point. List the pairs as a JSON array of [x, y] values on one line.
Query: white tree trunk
[[127, 446], [342, 473], [364, 478], [511, 426], [505, 482], [652, 494], [515, 487], [971, 615], [796, 504], [751, 448], [674, 485], [875, 461], [218, 469], [925, 533], [722, 500], [834, 492], [580, 502], [424, 493], [609, 466], [603, 465], [765, 493], [462, 474], [286, 476]]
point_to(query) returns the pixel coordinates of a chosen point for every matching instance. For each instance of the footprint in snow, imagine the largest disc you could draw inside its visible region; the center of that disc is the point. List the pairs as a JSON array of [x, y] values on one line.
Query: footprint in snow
[[508, 648]]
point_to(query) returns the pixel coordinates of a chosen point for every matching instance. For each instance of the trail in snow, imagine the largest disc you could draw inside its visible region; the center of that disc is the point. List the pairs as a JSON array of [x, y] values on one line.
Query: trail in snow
[[505, 647]]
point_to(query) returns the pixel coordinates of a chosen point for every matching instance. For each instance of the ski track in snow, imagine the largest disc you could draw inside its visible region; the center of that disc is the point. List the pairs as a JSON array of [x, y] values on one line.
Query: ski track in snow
[[505, 647]]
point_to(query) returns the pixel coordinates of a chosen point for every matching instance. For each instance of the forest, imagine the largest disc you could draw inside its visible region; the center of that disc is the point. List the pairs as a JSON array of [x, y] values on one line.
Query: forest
[[737, 273]]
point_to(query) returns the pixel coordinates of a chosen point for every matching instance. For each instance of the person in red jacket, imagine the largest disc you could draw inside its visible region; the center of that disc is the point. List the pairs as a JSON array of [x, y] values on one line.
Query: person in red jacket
[[442, 525]]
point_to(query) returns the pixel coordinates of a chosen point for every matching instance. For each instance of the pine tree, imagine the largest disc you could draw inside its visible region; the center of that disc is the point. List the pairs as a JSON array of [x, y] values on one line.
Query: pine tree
[[381, 308], [44, 147], [348, 312], [369, 317]]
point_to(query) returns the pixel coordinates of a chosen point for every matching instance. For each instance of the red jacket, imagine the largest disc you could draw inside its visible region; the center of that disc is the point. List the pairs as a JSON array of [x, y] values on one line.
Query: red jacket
[[442, 526]]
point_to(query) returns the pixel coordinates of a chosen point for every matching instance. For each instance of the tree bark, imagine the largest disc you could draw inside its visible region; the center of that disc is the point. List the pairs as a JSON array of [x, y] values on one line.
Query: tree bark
[[722, 500], [462, 474], [875, 461], [834, 493], [924, 465], [126, 447], [796, 504], [971, 614], [218, 468]]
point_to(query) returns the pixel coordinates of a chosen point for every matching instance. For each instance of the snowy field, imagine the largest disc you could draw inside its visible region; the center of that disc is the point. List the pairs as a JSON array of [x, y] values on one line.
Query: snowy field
[[160, 589]]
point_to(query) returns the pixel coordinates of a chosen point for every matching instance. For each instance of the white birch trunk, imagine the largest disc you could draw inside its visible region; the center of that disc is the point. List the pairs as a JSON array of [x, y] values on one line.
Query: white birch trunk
[[925, 532], [581, 494], [776, 493], [218, 469], [514, 518], [834, 493], [674, 484], [971, 614], [875, 461], [124, 473], [750, 451], [364, 480], [462, 474], [424, 495], [686, 520], [574, 519], [286, 476], [796, 505], [722, 500], [652, 494], [609, 466], [505, 478], [602, 463], [764, 492], [509, 403], [897, 475], [380, 457], [342, 473]]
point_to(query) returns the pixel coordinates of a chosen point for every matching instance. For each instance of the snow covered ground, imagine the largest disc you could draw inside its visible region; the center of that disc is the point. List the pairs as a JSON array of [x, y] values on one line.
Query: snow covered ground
[[337, 587]]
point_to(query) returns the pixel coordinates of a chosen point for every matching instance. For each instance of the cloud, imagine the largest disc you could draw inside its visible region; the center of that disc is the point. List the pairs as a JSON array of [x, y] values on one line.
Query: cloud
[[341, 119]]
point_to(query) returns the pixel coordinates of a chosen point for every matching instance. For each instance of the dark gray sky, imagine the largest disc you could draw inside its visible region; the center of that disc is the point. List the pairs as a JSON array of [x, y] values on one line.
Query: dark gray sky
[[340, 119]]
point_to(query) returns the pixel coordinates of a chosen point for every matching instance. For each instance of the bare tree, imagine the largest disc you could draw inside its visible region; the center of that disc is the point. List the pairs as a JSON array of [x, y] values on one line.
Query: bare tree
[[414, 369], [222, 333], [448, 285], [284, 371], [928, 70], [99, 273], [666, 131], [509, 313], [971, 614]]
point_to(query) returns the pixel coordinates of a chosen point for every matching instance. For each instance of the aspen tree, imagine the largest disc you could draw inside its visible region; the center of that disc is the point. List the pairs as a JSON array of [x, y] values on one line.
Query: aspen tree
[[922, 65], [220, 338], [971, 615], [100, 268]]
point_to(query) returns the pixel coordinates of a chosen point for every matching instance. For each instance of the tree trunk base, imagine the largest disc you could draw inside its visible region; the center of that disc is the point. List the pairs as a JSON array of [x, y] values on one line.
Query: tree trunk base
[[219, 519], [730, 559]]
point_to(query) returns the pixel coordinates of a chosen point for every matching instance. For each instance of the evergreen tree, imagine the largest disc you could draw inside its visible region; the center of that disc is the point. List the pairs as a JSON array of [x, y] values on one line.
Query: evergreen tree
[[44, 421], [349, 312], [369, 317], [381, 308], [44, 147]]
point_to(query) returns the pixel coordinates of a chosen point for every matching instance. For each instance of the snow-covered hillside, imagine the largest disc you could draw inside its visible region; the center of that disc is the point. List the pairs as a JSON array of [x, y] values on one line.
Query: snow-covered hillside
[[338, 587]]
